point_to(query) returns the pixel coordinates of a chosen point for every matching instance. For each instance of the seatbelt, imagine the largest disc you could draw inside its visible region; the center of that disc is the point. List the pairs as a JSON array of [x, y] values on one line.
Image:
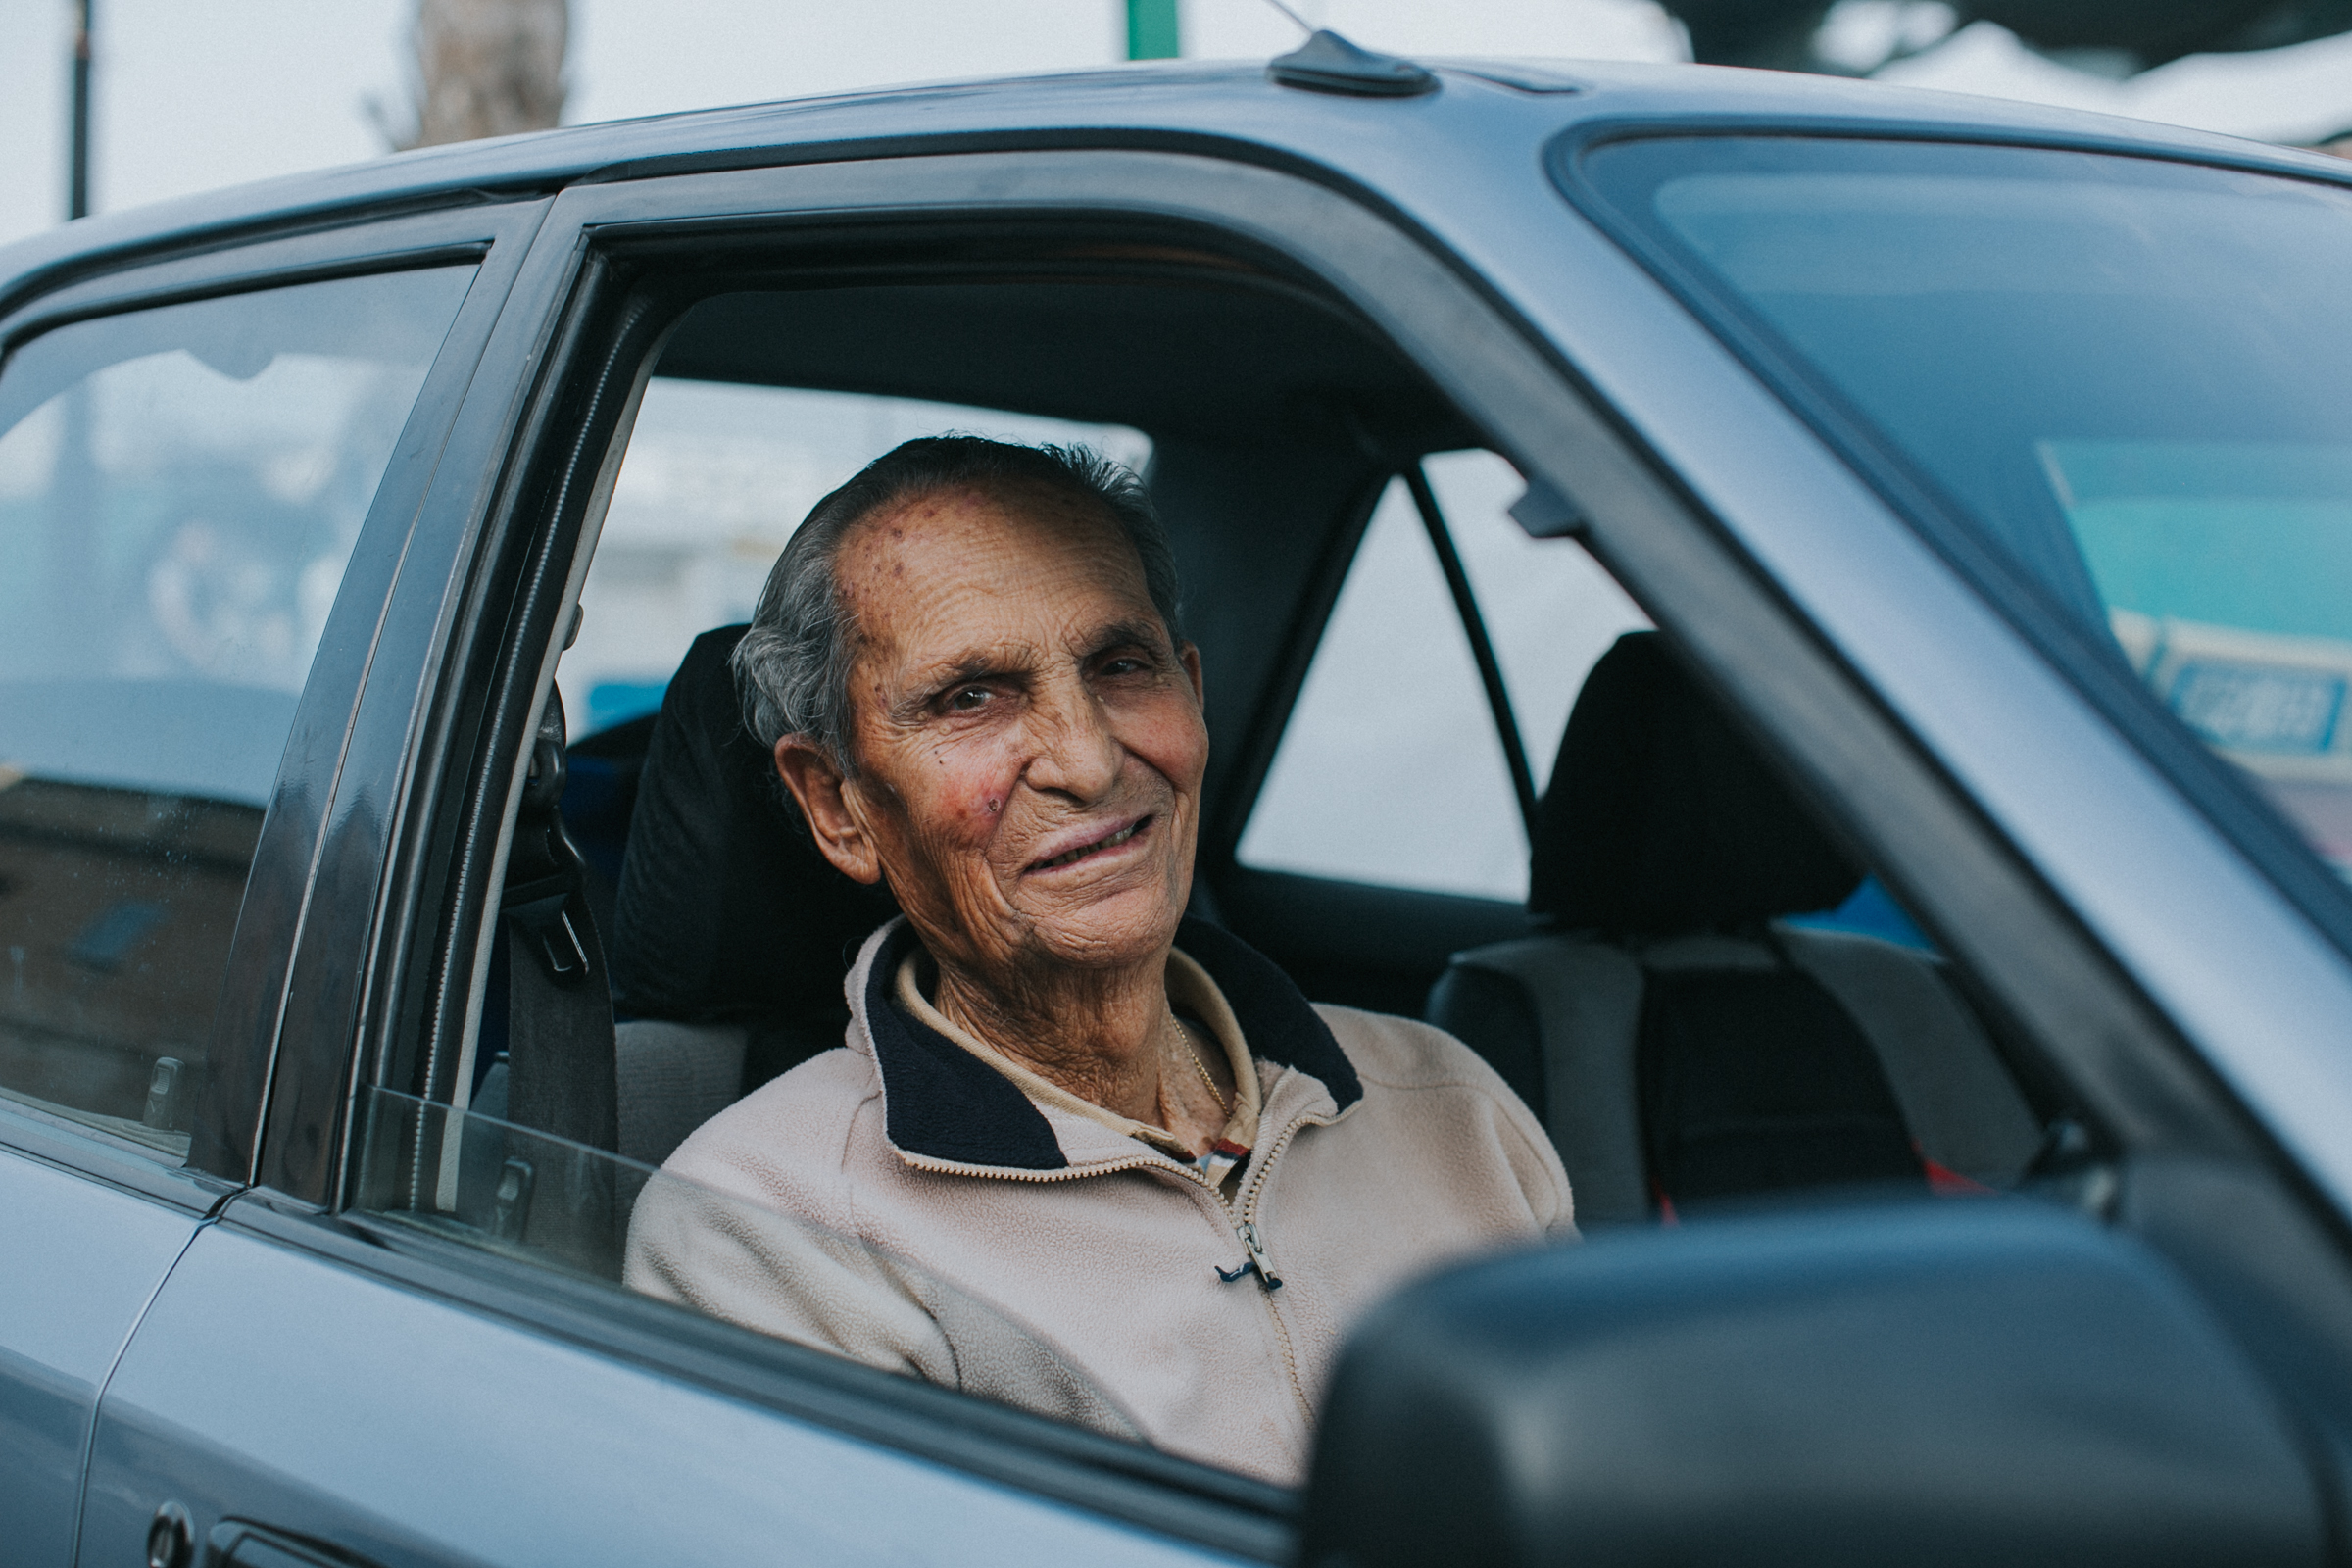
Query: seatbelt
[[560, 1076]]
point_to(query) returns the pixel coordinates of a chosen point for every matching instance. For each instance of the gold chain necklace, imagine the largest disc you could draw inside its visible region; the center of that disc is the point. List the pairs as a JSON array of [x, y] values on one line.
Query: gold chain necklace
[[1183, 1042]]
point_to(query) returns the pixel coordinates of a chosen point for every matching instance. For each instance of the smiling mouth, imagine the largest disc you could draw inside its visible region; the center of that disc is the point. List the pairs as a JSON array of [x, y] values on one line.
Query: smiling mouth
[[1083, 850]]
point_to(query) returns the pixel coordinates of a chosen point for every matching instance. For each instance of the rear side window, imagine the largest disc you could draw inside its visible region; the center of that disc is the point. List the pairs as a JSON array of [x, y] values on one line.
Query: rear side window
[[1390, 770], [179, 491]]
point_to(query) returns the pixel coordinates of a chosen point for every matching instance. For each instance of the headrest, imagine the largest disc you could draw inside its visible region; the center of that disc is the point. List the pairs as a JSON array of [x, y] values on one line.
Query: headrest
[[1662, 818], [726, 910]]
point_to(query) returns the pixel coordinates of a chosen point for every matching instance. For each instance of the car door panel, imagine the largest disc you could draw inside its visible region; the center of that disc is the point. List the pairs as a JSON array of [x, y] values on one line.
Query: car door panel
[[632, 1463], [410, 1431], [82, 1260]]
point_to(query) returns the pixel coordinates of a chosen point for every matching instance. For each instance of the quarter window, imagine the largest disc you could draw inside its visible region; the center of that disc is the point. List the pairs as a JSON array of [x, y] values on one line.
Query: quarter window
[[1390, 769], [179, 490]]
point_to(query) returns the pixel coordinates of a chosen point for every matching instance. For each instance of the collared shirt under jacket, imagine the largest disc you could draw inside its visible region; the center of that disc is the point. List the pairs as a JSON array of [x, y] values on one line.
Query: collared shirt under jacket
[[904, 1203]]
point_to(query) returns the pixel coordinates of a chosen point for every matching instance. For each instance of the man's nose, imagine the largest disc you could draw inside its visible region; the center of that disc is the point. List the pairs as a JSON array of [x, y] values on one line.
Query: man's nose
[[1076, 753]]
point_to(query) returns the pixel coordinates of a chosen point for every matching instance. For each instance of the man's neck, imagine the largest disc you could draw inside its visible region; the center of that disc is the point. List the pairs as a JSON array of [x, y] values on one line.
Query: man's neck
[[1100, 1035]]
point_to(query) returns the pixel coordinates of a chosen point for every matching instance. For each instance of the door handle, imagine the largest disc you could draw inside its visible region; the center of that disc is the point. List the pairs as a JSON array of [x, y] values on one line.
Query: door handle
[[242, 1544]]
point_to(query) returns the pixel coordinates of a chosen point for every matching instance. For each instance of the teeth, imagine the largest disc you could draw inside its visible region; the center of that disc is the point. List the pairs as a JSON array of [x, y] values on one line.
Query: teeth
[[1077, 855]]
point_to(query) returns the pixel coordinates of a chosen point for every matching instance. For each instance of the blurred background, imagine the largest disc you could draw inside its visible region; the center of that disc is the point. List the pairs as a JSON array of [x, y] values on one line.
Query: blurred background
[[185, 96], [173, 96]]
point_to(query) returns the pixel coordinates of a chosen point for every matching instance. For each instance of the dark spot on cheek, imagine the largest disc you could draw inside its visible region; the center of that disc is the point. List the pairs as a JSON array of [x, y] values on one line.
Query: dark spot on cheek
[[994, 806]]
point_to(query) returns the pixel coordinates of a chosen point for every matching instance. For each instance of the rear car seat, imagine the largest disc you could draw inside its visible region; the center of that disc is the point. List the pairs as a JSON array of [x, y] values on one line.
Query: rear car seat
[[1678, 1038], [731, 934]]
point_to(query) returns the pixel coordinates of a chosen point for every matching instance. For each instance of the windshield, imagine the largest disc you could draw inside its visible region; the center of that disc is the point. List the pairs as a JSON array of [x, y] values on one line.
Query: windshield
[[2134, 378]]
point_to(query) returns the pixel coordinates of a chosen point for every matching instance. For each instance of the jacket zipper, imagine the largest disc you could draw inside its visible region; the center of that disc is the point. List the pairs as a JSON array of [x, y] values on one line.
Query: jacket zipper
[[1242, 1221], [1244, 1225]]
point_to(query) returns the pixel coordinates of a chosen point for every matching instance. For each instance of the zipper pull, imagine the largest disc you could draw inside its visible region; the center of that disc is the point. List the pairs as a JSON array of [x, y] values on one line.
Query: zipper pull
[[1257, 1258]]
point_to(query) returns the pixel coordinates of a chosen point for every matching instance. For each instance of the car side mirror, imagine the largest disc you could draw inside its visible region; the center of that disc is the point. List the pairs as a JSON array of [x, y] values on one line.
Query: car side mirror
[[1929, 1382]]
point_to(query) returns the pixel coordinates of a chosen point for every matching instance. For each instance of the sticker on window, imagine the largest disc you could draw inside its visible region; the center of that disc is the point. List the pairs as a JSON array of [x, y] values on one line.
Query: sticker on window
[[2251, 708]]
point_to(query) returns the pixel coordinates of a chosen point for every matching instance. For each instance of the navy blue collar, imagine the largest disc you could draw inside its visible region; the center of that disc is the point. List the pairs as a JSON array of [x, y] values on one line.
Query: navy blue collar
[[946, 1103]]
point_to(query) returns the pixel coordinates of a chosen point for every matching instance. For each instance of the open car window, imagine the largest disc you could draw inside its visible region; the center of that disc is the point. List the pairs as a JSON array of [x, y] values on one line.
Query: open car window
[[1695, 1004]]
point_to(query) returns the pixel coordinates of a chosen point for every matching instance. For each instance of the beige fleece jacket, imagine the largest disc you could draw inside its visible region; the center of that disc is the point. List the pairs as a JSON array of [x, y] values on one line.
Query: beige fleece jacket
[[905, 1203]]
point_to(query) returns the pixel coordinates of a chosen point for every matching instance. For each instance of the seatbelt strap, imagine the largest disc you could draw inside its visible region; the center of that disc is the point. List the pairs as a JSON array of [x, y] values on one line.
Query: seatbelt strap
[[560, 1050]]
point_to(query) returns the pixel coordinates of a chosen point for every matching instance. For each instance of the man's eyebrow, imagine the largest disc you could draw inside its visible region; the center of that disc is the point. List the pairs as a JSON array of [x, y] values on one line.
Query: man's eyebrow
[[1124, 633]]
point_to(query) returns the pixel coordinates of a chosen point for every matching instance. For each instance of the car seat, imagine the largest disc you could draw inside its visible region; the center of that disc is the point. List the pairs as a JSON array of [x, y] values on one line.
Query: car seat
[[1681, 1041], [731, 934]]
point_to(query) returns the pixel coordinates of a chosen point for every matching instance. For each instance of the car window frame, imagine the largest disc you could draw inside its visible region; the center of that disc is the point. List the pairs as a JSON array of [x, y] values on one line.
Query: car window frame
[[246, 1028]]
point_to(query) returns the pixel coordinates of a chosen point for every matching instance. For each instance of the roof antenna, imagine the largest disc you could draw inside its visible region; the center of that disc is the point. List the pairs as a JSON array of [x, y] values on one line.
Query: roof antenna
[[1329, 62]]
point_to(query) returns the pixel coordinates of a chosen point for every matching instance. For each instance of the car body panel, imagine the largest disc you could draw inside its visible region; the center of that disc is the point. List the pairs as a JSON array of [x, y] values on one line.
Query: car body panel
[[505, 1446], [1406, 148], [84, 1257]]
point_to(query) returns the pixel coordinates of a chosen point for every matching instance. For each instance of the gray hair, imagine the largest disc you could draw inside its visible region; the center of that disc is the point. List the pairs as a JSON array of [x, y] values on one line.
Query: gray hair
[[793, 665]]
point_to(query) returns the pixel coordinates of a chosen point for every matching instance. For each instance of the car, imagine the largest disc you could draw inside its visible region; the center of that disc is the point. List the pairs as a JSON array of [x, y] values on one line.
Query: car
[[1916, 525]]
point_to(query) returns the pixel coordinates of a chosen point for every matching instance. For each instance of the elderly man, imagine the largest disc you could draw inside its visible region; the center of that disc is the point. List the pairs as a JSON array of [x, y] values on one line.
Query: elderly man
[[1078, 1153]]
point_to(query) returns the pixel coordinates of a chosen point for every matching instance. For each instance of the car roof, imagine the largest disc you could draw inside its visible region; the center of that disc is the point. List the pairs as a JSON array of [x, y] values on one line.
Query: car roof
[[1484, 108]]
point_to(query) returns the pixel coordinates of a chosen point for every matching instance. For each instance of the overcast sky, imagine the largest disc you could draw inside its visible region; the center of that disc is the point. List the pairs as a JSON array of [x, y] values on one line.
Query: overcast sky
[[199, 93]]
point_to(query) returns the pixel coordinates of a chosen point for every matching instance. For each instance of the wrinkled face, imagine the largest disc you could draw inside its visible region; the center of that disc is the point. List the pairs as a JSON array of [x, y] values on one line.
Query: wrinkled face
[[1029, 742]]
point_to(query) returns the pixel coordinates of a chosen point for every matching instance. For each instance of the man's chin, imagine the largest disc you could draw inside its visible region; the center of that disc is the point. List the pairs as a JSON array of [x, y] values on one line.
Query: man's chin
[[1113, 926]]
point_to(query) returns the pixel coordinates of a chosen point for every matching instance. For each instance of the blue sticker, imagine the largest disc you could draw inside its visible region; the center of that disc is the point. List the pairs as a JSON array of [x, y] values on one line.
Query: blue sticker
[[2259, 707]]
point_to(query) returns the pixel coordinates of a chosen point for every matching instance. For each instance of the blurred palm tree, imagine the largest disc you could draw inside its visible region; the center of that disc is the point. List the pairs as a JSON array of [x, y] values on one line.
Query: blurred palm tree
[[484, 68]]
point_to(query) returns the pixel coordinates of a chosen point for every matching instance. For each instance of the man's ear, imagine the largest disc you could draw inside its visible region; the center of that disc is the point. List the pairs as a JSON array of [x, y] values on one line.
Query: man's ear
[[823, 797], [1189, 654]]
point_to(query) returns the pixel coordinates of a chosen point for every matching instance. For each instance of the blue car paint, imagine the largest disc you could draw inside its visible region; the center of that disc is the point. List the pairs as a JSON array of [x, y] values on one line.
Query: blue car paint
[[293, 1397], [78, 1262]]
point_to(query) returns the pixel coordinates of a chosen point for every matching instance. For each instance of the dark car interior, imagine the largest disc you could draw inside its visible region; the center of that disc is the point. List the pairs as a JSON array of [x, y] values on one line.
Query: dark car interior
[[1682, 1045]]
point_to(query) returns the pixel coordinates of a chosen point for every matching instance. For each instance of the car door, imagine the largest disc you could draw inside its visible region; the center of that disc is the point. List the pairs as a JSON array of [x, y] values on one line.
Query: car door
[[313, 1380], [437, 1392], [190, 448]]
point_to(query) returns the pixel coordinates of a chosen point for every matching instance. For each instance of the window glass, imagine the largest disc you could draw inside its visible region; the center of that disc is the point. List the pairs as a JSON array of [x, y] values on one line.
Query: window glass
[[716, 479], [1390, 770], [506, 1189], [179, 490], [2131, 376], [1548, 608]]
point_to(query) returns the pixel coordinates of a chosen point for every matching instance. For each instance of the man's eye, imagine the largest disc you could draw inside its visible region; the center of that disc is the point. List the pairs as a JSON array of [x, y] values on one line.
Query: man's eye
[[1123, 666], [967, 699]]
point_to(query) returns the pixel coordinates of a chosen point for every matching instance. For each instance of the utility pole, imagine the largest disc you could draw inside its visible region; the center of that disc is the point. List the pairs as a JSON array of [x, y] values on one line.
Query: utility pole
[[77, 166], [1151, 33]]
